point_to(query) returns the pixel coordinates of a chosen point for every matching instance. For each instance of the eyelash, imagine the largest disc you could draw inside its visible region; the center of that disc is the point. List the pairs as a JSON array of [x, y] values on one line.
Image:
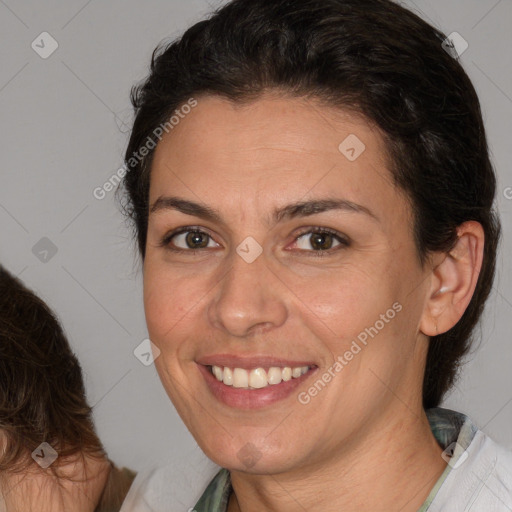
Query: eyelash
[[344, 242]]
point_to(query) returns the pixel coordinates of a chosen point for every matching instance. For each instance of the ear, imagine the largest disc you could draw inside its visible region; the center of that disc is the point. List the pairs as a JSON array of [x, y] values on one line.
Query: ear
[[454, 279]]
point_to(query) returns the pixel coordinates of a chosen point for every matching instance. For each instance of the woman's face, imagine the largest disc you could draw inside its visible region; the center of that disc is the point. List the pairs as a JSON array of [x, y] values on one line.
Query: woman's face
[[265, 291]]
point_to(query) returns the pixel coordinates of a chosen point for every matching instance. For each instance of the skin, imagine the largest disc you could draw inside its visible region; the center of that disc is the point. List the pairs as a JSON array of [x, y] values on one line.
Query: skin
[[348, 447], [78, 487]]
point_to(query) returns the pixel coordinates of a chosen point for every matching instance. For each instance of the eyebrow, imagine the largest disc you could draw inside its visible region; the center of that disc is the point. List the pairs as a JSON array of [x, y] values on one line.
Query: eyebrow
[[288, 212]]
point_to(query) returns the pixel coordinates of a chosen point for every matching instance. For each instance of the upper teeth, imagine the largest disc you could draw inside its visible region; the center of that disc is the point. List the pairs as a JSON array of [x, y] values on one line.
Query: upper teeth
[[258, 377]]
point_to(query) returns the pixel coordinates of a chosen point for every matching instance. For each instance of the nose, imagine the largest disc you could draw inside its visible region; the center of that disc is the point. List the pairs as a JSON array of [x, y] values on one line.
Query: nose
[[249, 299]]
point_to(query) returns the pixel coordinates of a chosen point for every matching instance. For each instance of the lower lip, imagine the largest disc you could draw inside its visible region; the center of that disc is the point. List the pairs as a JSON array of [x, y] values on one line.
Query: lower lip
[[251, 398]]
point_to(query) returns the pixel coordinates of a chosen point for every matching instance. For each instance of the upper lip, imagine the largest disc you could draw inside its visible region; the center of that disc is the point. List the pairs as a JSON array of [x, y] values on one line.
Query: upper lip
[[249, 362]]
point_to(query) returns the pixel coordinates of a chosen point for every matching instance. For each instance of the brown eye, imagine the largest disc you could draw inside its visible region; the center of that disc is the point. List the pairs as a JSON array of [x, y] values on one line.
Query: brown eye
[[320, 240], [188, 240], [196, 240]]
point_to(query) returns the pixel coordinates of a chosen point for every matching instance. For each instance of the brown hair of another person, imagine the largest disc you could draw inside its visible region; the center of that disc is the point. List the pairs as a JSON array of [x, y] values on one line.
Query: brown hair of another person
[[42, 393]]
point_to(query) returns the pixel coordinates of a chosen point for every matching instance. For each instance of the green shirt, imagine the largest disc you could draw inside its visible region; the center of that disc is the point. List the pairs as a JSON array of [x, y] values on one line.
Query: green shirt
[[447, 426]]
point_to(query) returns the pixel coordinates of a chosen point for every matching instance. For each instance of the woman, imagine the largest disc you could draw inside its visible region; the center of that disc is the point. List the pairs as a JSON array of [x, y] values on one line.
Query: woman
[[312, 197], [50, 456]]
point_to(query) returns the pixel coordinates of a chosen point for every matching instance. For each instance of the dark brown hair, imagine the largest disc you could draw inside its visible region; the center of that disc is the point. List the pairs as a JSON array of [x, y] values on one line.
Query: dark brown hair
[[373, 57], [42, 393]]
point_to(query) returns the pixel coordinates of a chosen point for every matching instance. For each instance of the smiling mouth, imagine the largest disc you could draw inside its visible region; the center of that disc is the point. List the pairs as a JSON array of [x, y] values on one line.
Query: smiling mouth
[[257, 378]]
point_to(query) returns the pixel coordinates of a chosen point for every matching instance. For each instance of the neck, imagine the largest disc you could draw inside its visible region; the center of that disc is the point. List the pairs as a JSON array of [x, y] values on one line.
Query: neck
[[393, 468]]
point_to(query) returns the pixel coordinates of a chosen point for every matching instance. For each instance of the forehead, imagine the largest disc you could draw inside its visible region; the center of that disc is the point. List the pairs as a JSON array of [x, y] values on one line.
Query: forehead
[[273, 151]]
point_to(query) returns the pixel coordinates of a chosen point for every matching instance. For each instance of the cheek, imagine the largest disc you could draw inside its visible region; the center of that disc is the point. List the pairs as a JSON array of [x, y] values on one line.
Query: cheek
[[345, 301], [174, 305], [166, 301]]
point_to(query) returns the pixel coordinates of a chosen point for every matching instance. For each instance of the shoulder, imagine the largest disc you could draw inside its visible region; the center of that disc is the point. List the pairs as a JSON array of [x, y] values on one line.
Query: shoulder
[[115, 491], [174, 486], [481, 479]]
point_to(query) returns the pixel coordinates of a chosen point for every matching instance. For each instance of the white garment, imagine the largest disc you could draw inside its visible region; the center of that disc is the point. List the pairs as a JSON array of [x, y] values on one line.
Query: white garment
[[482, 483], [480, 480], [174, 487]]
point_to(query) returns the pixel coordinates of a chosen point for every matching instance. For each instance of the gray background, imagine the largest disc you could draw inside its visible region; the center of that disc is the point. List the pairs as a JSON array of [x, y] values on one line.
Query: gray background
[[63, 136]]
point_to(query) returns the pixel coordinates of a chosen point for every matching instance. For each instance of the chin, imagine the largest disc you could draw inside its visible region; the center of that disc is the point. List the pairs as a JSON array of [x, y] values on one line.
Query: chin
[[251, 454]]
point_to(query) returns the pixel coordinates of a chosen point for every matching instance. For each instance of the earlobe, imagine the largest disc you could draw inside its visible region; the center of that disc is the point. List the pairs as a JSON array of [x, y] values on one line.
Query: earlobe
[[454, 281]]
